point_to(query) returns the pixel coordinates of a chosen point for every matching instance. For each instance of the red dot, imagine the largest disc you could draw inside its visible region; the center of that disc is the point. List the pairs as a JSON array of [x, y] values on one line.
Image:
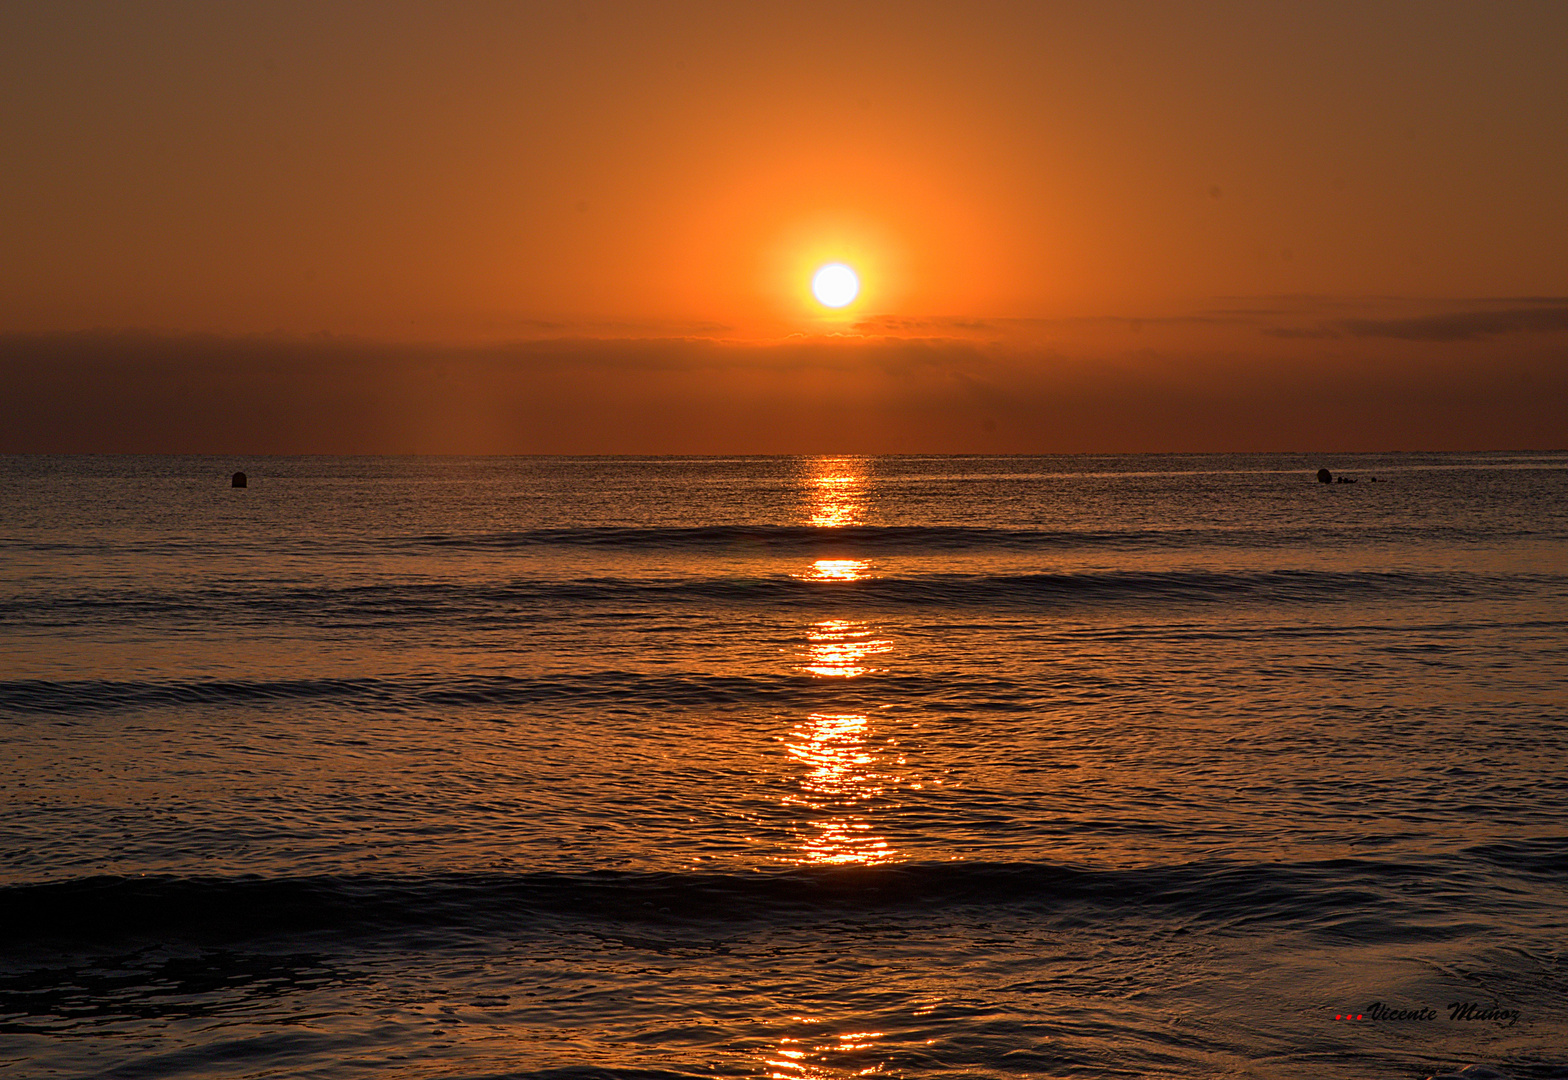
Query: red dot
[[1358, 1016], [1339, 1018]]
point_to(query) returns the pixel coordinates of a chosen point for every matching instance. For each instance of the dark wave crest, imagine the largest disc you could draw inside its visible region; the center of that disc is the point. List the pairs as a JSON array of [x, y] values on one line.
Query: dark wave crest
[[403, 603], [872, 539], [798, 538], [1329, 896], [600, 688]]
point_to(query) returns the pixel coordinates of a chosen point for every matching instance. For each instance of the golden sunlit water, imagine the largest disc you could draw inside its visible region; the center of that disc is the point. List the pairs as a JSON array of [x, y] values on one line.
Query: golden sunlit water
[[798, 1059], [807, 767], [843, 777], [838, 570], [843, 648], [836, 490]]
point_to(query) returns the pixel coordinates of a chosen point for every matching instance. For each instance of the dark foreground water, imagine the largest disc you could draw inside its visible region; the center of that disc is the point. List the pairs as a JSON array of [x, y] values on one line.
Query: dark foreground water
[[799, 768]]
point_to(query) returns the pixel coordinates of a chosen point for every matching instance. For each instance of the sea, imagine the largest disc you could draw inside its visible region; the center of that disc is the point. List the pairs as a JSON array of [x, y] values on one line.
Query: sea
[[645, 768]]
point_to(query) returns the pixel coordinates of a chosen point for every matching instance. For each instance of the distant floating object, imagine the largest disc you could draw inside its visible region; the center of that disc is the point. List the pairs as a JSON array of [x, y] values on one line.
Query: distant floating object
[[237, 480], [1325, 477]]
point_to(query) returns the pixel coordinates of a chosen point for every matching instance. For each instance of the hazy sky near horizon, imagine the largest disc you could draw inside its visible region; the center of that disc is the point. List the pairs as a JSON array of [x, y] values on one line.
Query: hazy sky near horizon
[[586, 227]]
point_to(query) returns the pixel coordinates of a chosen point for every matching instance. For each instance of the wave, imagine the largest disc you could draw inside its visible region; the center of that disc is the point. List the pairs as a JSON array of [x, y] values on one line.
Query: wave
[[809, 538], [609, 688], [423, 601], [917, 538], [1335, 896], [869, 540], [1542, 856]]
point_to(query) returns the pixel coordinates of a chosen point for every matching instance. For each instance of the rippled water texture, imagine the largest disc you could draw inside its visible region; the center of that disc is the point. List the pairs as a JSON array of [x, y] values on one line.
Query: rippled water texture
[[1134, 766]]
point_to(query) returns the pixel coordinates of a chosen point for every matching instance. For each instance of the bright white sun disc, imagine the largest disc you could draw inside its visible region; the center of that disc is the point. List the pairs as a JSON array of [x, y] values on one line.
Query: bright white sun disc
[[835, 285]]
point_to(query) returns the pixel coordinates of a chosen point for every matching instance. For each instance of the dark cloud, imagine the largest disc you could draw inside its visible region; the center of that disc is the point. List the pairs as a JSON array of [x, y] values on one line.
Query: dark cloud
[[1291, 333], [1461, 325], [145, 393], [1023, 329], [927, 325]]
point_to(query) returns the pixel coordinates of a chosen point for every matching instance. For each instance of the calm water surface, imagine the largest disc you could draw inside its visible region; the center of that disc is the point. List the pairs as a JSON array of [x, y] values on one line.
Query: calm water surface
[[784, 767]]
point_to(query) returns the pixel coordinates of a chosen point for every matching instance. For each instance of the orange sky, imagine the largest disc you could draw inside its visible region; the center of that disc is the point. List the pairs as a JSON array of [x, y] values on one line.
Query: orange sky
[[587, 227]]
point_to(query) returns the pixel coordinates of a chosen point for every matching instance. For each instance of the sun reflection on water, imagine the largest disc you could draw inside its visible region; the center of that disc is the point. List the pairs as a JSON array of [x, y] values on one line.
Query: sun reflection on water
[[837, 491], [798, 1059], [845, 768], [839, 754], [841, 757], [841, 772], [842, 648], [839, 570]]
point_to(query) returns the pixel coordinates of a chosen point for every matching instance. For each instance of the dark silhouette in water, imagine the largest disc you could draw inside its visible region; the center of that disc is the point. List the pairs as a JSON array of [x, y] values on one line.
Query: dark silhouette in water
[[238, 480], [1326, 477]]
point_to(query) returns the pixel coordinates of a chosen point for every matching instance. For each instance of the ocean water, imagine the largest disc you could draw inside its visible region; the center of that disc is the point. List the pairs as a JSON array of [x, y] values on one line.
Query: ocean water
[[1145, 766]]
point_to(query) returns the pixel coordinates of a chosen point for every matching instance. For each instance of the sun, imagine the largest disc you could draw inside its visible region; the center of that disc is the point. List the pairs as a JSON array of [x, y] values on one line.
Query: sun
[[835, 285]]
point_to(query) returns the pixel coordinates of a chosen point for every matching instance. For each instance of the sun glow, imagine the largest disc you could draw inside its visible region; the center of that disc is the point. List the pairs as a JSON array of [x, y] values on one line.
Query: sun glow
[[835, 285]]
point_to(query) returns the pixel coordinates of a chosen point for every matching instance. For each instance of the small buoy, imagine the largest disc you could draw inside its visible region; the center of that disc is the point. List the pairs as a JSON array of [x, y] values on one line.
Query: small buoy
[[238, 480], [1325, 477]]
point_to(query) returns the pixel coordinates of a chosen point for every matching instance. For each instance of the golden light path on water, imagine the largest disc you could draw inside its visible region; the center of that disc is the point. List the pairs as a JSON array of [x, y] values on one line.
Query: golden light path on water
[[793, 1058], [841, 766], [848, 768], [842, 649], [838, 570], [837, 491]]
